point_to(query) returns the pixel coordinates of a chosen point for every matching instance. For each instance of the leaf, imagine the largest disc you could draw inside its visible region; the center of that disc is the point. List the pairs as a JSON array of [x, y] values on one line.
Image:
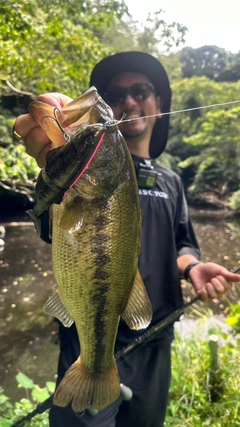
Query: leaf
[[5, 423], [39, 394], [24, 381], [51, 386]]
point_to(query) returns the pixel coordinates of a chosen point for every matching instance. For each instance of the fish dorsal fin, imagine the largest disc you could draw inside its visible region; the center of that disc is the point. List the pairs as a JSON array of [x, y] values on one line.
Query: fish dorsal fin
[[138, 311], [55, 307]]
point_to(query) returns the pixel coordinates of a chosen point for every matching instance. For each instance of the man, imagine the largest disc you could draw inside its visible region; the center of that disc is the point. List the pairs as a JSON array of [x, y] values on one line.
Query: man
[[136, 84]]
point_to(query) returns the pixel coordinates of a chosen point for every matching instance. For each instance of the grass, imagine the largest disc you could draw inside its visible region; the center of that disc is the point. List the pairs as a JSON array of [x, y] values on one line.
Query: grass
[[200, 395]]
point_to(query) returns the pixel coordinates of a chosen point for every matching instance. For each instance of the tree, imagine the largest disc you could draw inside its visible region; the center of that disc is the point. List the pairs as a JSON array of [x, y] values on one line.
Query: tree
[[217, 162], [152, 36], [49, 46], [194, 93], [53, 46], [206, 61], [232, 71], [212, 62]]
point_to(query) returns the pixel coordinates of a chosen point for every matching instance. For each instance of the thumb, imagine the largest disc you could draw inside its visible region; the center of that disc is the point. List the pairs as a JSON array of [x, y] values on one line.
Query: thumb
[[232, 277], [55, 99], [229, 275]]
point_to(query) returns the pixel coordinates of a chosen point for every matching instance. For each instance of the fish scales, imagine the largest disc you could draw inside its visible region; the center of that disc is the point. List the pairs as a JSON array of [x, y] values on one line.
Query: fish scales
[[95, 249]]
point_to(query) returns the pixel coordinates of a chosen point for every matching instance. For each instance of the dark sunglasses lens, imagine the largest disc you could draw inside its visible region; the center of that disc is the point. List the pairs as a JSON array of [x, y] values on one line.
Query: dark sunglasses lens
[[116, 97], [140, 92]]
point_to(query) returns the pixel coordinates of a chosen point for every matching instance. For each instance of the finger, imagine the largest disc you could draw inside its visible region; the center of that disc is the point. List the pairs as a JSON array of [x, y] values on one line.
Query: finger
[[203, 295], [223, 282], [220, 285], [228, 275], [211, 292], [37, 145], [24, 124], [55, 99], [232, 277]]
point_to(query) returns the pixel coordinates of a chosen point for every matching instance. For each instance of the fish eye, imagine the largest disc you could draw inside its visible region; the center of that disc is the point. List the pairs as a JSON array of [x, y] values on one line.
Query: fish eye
[[89, 140]]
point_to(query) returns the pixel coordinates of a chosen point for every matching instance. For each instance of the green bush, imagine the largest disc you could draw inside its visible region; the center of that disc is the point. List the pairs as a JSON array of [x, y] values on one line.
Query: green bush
[[18, 171], [192, 393], [10, 413], [234, 201], [233, 318]]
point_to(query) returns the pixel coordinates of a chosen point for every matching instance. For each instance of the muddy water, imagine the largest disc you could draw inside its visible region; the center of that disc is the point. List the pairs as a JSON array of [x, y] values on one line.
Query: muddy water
[[28, 336]]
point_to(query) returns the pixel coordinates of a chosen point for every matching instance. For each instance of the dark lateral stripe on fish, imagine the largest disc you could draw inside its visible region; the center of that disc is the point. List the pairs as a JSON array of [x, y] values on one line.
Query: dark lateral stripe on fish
[[101, 288], [101, 221], [100, 299]]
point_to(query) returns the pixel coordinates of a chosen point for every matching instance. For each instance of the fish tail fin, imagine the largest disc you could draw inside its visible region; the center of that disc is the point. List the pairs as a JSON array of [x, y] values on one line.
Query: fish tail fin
[[87, 390]]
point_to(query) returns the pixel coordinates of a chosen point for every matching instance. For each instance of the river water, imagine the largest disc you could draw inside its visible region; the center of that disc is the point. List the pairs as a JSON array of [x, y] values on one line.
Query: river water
[[28, 336]]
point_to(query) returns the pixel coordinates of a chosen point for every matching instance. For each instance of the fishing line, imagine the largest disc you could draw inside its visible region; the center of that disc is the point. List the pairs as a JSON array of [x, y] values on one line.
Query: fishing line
[[178, 111]]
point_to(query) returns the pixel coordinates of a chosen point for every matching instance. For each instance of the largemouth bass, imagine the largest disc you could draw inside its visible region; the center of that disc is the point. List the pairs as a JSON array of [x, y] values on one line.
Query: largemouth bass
[[95, 249]]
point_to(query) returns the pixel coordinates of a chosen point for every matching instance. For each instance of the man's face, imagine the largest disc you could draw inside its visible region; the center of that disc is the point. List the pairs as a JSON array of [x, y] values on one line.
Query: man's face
[[135, 129]]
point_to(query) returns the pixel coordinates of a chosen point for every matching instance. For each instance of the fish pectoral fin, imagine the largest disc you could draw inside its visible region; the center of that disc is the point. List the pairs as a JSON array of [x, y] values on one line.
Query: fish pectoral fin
[[138, 311], [72, 216], [55, 307], [87, 389]]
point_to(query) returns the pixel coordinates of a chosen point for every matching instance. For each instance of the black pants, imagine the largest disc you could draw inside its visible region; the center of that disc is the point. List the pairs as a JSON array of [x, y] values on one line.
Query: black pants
[[147, 372]]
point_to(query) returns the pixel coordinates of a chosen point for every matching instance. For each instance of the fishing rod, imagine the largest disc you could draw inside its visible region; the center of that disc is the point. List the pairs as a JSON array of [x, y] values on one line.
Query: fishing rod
[[125, 352]]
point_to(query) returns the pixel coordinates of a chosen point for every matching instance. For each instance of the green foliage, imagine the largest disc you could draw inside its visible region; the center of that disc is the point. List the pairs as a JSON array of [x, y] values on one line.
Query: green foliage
[[190, 402], [210, 61], [10, 413], [50, 46], [12, 160], [156, 32], [172, 66], [234, 201], [216, 163], [206, 61], [151, 36], [18, 171], [232, 71], [6, 125], [53, 46], [206, 140], [233, 318]]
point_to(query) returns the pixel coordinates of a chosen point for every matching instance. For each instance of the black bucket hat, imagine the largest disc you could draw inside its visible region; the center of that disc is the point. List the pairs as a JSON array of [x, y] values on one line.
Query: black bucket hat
[[138, 62]]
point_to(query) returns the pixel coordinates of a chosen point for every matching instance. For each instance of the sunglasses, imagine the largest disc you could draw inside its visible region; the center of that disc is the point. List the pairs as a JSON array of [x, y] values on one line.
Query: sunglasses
[[139, 92]]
